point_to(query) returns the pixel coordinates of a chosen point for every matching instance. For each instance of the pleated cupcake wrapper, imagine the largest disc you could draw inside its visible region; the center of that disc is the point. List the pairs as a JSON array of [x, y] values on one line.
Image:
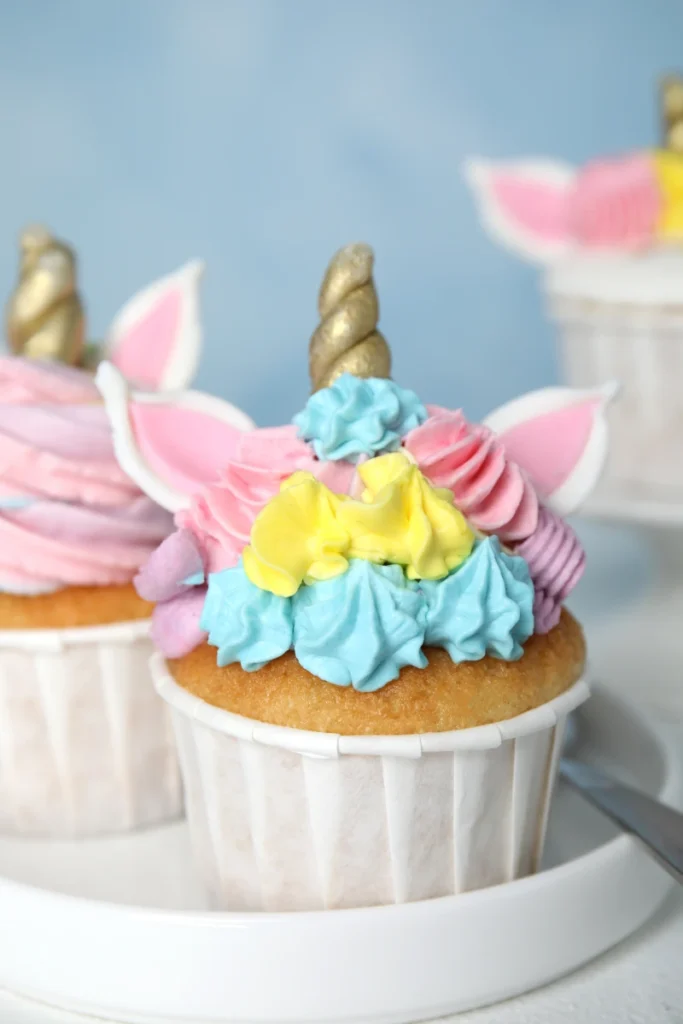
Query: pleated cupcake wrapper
[[86, 746], [642, 348], [283, 819]]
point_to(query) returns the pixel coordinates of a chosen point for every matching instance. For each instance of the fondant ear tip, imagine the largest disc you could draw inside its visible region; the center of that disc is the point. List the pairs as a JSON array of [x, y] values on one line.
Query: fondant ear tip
[[195, 268], [476, 171], [611, 390], [107, 375]]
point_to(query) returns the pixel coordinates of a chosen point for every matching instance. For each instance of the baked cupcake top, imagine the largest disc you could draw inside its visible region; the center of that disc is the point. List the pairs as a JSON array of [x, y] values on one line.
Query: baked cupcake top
[[547, 210], [372, 526], [69, 516]]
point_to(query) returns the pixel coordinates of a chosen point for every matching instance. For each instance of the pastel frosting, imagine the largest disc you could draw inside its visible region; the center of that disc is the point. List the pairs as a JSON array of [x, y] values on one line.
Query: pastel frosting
[[402, 519], [556, 562], [669, 172], [221, 516], [358, 417], [359, 565], [469, 460], [245, 623], [307, 533], [616, 203], [320, 565], [328, 642], [484, 607], [547, 210], [297, 538], [69, 516], [219, 522]]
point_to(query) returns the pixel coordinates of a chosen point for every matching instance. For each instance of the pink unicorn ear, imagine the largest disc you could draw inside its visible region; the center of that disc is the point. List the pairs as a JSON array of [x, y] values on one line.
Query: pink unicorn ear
[[171, 445], [559, 438], [155, 339], [525, 205]]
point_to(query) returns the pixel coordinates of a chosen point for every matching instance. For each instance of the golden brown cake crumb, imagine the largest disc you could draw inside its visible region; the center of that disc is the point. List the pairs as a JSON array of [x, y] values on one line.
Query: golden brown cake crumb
[[73, 606], [434, 699]]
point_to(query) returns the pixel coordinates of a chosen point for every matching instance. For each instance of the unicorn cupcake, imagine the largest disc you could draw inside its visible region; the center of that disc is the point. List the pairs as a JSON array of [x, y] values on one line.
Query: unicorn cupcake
[[609, 239], [85, 745], [360, 621]]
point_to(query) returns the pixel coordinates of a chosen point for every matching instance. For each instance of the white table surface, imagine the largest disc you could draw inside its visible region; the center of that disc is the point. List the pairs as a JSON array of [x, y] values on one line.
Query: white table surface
[[639, 982]]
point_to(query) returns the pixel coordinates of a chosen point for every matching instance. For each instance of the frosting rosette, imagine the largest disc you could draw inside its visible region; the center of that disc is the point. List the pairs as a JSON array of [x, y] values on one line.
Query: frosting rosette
[[221, 516], [69, 516], [246, 624], [402, 519], [297, 538], [177, 563], [485, 607], [307, 533], [669, 170], [356, 417], [174, 578], [216, 527], [328, 642], [176, 624], [471, 462]]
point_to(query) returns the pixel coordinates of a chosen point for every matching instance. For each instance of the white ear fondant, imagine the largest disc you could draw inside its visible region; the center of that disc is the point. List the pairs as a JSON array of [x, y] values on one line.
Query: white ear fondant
[[170, 445], [523, 204], [155, 339], [559, 436]]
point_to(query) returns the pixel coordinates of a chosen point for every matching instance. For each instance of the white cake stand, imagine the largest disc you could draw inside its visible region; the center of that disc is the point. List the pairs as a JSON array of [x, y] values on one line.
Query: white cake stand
[[639, 650]]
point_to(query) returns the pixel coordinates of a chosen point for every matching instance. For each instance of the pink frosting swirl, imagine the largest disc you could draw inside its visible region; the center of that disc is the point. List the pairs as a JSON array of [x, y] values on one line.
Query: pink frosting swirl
[[556, 562], [615, 203], [29, 382], [213, 532], [221, 516], [68, 513], [469, 460]]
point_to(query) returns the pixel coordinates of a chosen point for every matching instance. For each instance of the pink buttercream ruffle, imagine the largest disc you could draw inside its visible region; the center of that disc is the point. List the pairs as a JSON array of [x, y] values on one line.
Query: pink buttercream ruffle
[[68, 513], [214, 531], [221, 516], [556, 563], [469, 460], [615, 204], [31, 381]]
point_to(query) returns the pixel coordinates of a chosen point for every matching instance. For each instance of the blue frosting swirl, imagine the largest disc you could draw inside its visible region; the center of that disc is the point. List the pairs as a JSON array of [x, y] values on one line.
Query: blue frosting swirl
[[245, 623], [361, 628], [484, 607], [356, 417]]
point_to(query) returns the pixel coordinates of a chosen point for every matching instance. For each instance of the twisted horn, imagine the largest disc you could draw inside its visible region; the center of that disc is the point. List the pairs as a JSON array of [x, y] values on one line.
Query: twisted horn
[[347, 340]]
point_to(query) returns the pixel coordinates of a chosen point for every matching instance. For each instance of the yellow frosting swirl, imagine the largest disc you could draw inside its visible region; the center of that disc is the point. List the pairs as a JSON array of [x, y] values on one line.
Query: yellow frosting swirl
[[669, 170], [403, 520], [297, 538], [307, 533]]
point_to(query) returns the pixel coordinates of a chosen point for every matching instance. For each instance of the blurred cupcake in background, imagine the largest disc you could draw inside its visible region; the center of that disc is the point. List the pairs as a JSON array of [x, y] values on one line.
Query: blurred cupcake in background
[[84, 743], [609, 236], [361, 624]]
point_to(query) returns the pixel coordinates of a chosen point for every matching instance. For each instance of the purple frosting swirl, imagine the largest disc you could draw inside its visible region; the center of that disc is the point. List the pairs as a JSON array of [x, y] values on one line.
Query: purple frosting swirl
[[556, 562]]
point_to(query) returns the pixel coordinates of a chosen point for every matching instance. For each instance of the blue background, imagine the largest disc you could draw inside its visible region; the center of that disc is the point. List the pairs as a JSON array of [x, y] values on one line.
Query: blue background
[[262, 136]]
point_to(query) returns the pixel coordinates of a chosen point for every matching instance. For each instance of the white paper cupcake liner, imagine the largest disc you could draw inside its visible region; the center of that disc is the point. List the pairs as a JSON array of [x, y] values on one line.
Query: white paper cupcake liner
[[86, 746], [642, 348], [283, 819]]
